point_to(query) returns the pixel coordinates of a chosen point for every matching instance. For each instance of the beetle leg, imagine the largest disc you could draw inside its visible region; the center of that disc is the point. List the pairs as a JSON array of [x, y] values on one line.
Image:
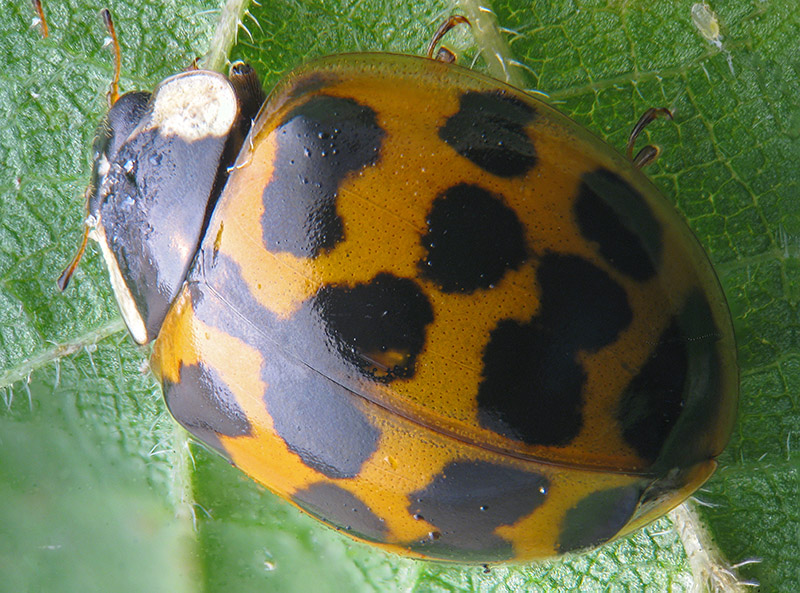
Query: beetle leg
[[37, 6], [444, 54], [66, 275], [649, 153]]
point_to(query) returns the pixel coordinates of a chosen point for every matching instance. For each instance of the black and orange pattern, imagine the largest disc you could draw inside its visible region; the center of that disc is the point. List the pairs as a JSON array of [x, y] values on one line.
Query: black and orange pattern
[[438, 315]]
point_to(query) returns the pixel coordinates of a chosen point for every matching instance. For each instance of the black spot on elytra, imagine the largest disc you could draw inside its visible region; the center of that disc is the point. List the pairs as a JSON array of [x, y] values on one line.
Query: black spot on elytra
[[610, 212], [342, 510], [532, 386], [489, 130], [318, 144], [467, 501], [580, 303], [653, 400], [204, 405], [318, 418], [473, 239], [379, 327], [597, 518], [680, 379]]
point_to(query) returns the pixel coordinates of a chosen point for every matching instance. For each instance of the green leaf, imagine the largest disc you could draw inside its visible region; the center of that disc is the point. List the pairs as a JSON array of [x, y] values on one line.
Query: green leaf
[[99, 488]]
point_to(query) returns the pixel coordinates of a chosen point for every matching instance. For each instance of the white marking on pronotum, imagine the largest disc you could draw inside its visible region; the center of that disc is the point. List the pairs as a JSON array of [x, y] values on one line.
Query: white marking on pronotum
[[194, 105], [127, 306], [103, 166]]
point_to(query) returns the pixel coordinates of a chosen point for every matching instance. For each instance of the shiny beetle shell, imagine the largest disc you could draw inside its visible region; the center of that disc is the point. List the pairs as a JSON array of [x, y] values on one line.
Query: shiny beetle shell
[[436, 314]]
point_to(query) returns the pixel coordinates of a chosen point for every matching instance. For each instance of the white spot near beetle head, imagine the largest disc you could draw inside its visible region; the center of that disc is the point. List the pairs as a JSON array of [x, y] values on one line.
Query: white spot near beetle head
[[194, 105]]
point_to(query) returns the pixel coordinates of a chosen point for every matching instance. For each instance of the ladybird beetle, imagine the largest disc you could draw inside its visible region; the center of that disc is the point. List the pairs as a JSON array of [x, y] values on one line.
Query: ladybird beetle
[[418, 303]]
